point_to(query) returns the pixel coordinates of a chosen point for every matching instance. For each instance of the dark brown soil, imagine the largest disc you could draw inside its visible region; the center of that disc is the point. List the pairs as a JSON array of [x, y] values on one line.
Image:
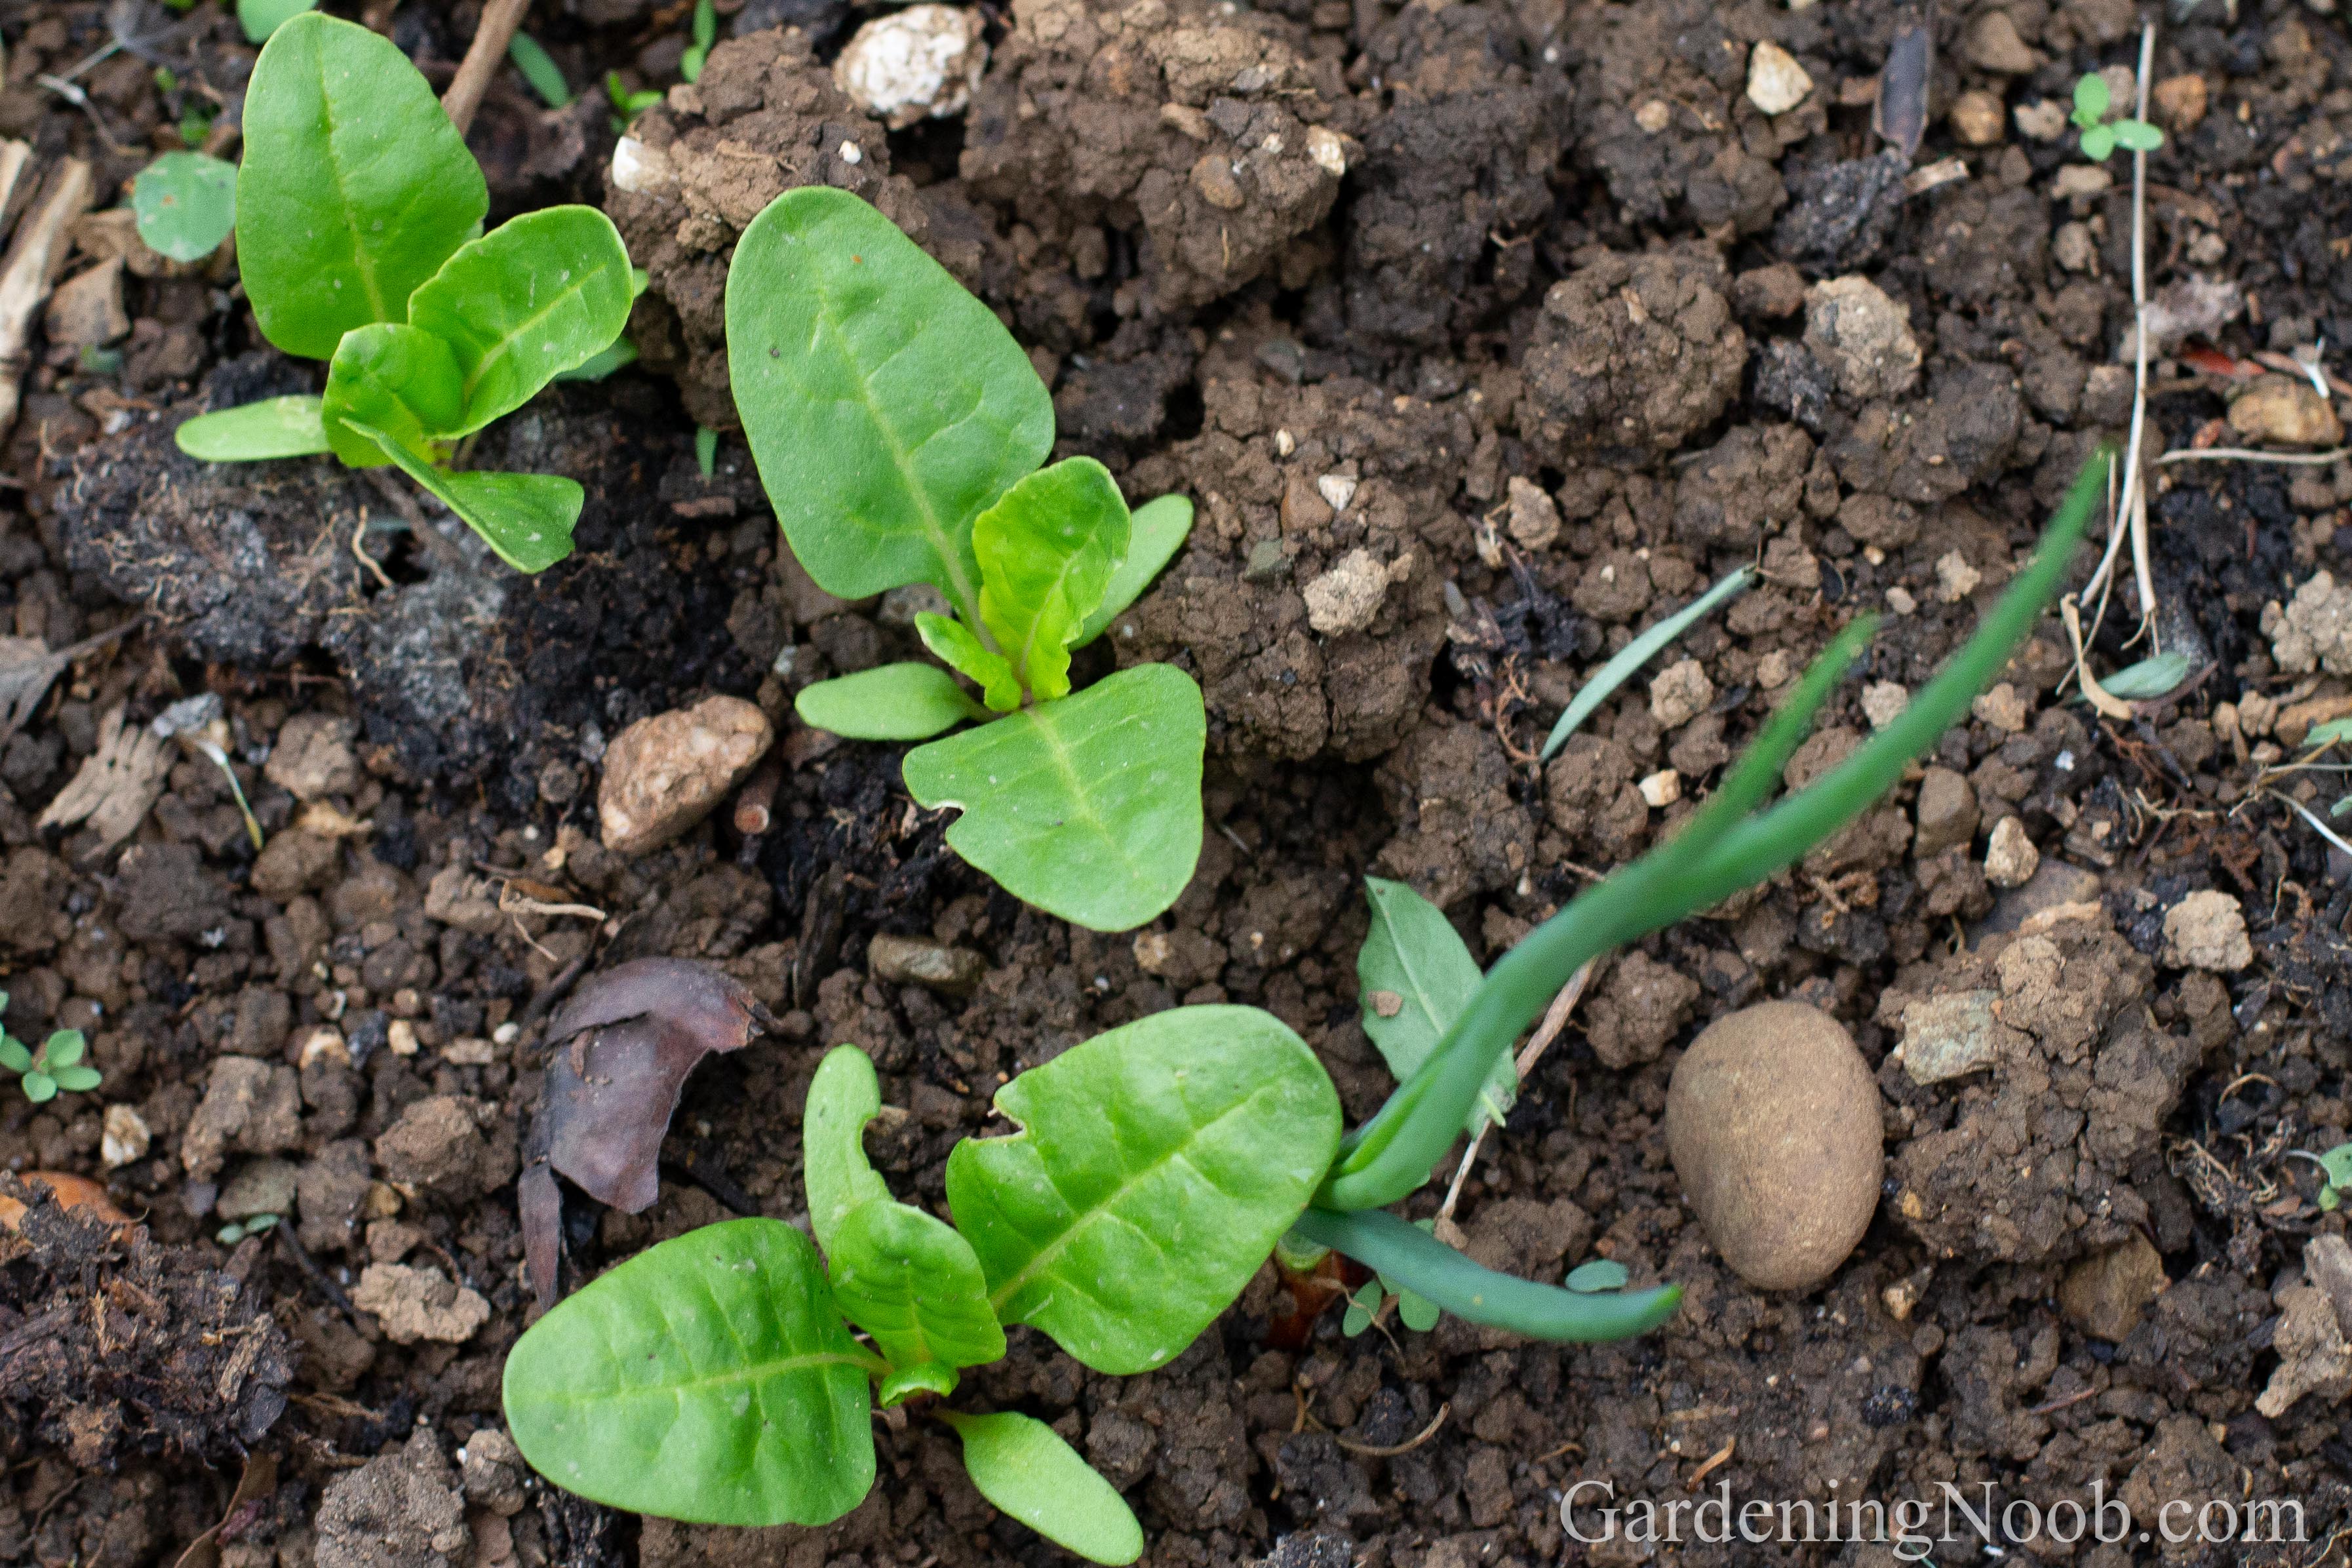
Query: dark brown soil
[[1544, 354]]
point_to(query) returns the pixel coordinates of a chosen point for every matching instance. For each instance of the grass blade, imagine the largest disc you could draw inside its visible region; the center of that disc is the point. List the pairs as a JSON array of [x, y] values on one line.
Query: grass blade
[[1636, 654]]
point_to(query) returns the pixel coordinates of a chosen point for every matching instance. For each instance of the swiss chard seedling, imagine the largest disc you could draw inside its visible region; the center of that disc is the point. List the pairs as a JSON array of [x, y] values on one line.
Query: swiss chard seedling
[[56, 1067], [358, 219], [899, 429], [2101, 135]]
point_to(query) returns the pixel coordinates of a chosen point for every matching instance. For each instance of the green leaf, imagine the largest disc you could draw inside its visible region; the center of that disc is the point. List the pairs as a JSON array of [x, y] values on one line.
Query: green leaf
[[2138, 135], [539, 69], [185, 204], [953, 641], [40, 1088], [2325, 735], [842, 1097], [908, 1280], [1046, 550], [2337, 1163], [1158, 1164], [2148, 680], [2098, 141], [533, 298], [1419, 1315], [706, 32], [618, 354], [260, 19], [2090, 98], [1637, 653], [892, 702], [1156, 530], [526, 518], [1414, 954], [886, 408], [708, 1378], [14, 1055], [1600, 1274], [354, 189], [706, 450], [1088, 808], [1022, 1466], [78, 1080], [1438, 1274], [64, 1047], [401, 381], [1361, 1306], [251, 432], [922, 1377]]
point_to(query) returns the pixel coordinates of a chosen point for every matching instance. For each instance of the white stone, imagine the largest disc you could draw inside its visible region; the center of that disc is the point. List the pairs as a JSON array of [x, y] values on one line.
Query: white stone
[[642, 169], [1329, 148], [1337, 491], [1776, 83], [1956, 579], [1883, 703], [1661, 788], [123, 1138], [2011, 858], [923, 62], [1346, 598]]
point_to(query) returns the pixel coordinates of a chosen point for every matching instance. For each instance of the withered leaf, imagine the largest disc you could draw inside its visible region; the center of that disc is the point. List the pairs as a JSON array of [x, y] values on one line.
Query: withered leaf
[[621, 1049]]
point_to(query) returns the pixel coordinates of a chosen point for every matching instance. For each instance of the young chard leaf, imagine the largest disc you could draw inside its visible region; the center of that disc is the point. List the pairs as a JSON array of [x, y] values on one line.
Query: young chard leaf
[[918, 1377], [526, 518], [1413, 955], [402, 383], [1158, 1164], [252, 432], [885, 406], [709, 1378], [1156, 530], [893, 702], [535, 297], [953, 641], [1046, 550], [1088, 808], [185, 204], [354, 188], [908, 1280], [842, 1097], [1022, 1466]]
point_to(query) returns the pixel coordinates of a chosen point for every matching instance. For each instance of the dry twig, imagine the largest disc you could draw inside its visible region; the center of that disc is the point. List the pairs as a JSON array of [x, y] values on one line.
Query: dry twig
[[483, 58], [32, 264]]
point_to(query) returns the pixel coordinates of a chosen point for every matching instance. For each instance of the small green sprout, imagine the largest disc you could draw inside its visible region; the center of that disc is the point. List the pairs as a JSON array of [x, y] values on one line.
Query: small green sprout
[[706, 450], [706, 33], [2102, 136], [236, 1231], [626, 104], [57, 1068], [1364, 1306], [2335, 1174], [359, 217], [1598, 1274]]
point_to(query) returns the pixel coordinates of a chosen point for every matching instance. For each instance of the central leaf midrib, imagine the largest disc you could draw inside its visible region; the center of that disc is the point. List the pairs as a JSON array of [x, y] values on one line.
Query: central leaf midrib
[[361, 262], [514, 333], [718, 1380]]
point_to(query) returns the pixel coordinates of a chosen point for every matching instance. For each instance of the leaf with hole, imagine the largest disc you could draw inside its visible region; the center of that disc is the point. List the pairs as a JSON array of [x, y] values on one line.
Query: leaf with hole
[[1022, 1466], [886, 408], [709, 1378], [185, 205], [1046, 550], [891, 702], [1414, 954], [355, 188], [525, 518], [256, 432], [957, 643], [537, 296], [1156, 1166], [1088, 808]]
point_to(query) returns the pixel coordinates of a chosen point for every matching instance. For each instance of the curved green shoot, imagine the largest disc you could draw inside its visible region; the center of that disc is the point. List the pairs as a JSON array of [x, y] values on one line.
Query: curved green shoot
[[1636, 654]]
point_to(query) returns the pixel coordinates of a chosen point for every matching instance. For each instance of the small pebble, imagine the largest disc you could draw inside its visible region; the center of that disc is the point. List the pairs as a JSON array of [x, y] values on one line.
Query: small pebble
[[1661, 788], [2011, 858], [2207, 930], [924, 62], [1776, 83]]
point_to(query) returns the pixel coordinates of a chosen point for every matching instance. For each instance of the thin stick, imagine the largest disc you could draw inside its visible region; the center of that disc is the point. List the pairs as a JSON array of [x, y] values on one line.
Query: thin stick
[[2251, 454], [1555, 1019], [33, 265], [2139, 353], [483, 56]]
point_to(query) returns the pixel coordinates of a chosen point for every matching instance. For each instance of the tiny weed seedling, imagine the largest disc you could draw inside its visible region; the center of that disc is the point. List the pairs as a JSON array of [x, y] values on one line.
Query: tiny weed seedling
[[539, 69], [358, 212], [185, 204], [57, 1068], [1157, 1166], [2335, 1174], [706, 33], [898, 430], [2102, 136]]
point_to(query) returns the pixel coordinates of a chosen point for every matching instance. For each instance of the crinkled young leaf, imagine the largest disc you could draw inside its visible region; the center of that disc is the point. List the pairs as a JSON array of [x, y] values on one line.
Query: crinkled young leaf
[[709, 1378], [920, 1377], [393, 379], [354, 188], [886, 408], [1156, 530], [537, 296], [956, 643], [891, 702], [185, 204], [1156, 1165], [525, 518], [252, 432], [1088, 808], [908, 1280], [1022, 1466], [842, 1097], [1046, 550], [1413, 955]]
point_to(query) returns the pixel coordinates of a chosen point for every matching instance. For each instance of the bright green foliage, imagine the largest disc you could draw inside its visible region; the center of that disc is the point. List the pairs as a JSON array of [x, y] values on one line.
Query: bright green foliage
[[898, 429], [1415, 1312], [2148, 680], [842, 1097], [273, 427], [627, 105], [539, 69], [908, 1280], [236, 1231], [889, 702], [358, 209], [1088, 808], [185, 204], [708, 1378], [706, 450], [1022, 1466], [260, 19], [1156, 1166], [2102, 136], [1599, 1274], [1046, 550], [56, 1066], [1414, 977], [706, 33], [1637, 653]]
